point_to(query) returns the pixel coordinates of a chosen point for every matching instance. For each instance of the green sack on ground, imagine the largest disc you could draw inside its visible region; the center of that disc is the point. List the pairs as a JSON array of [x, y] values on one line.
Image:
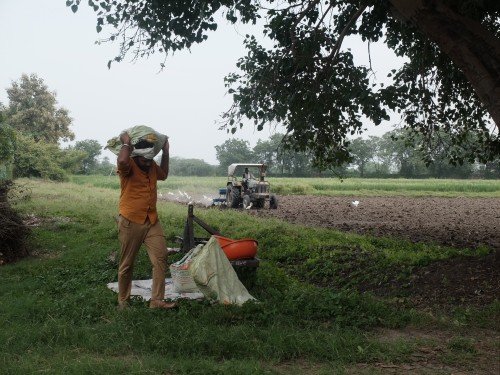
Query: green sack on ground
[[138, 133], [215, 277]]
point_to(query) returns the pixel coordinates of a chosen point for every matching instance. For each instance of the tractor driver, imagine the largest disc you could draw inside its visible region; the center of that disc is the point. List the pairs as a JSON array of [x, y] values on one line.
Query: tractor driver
[[248, 179]]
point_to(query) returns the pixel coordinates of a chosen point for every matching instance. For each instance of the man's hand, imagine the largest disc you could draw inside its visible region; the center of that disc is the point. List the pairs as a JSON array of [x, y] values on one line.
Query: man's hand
[[165, 158], [125, 139], [124, 154], [166, 146]]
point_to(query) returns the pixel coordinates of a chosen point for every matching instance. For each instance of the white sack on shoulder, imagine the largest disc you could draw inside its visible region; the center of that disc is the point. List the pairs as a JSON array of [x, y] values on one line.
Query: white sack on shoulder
[[136, 134]]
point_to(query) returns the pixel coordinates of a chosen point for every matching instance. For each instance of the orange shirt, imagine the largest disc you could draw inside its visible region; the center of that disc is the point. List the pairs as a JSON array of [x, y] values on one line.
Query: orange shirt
[[138, 192]]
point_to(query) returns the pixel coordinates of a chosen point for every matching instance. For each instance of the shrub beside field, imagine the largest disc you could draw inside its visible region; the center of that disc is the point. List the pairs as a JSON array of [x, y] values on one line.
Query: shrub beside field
[[59, 317]]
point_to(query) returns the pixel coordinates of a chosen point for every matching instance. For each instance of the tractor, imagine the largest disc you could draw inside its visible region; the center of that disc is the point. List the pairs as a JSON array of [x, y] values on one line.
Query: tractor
[[251, 190]]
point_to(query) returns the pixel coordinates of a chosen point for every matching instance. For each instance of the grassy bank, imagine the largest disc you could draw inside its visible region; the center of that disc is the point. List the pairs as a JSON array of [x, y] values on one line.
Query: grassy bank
[[58, 317]]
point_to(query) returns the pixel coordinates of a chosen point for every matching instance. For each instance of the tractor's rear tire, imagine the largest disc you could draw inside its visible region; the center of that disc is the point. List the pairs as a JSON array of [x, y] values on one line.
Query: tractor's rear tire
[[233, 197], [273, 202]]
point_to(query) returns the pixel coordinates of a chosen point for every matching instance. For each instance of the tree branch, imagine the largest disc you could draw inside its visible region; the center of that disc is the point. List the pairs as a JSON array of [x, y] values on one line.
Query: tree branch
[[300, 17], [323, 17], [336, 48]]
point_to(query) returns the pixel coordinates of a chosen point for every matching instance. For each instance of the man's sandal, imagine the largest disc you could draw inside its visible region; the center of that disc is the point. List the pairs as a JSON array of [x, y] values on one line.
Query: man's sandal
[[162, 305]]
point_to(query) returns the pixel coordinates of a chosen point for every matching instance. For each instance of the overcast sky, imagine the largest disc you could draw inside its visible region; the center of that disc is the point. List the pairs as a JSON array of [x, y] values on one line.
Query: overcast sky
[[183, 101]]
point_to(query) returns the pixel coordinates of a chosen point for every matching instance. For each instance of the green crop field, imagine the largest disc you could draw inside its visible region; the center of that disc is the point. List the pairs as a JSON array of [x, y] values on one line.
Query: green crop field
[[326, 186]]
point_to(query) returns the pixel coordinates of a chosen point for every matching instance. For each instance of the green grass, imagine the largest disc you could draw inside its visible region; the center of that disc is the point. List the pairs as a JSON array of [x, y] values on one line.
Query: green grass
[[326, 186], [57, 316]]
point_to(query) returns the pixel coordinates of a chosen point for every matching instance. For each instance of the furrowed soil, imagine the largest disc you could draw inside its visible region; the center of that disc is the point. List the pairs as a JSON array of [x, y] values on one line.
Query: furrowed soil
[[455, 222]]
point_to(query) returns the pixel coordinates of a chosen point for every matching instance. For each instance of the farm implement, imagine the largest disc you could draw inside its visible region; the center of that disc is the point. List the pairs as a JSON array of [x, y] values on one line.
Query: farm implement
[[240, 253]]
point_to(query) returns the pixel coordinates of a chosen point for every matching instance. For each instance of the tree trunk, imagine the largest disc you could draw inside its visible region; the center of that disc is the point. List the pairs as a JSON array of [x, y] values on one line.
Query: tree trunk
[[471, 47]]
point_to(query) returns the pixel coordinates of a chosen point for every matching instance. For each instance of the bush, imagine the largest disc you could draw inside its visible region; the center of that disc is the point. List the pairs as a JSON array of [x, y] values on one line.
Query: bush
[[13, 232], [38, 159]]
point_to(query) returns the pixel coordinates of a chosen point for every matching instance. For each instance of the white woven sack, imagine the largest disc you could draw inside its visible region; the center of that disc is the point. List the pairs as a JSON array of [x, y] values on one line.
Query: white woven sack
[[138, 133], [181, 277]]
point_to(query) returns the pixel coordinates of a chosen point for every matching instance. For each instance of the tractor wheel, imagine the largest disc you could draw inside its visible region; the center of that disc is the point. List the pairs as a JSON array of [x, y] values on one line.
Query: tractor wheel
[[273, 202], [246, 201], [233, 197]]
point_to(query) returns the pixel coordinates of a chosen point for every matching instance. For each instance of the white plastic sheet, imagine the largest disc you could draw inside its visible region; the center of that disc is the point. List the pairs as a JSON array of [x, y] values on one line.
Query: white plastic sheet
[[142, 288]]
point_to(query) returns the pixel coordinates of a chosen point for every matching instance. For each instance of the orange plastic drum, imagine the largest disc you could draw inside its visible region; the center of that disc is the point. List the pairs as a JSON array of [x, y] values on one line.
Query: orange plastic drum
[[238, 249]]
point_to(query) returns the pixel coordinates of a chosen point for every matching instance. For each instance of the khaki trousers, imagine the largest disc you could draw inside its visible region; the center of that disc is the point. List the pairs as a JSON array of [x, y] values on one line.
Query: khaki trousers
[[132, 236]]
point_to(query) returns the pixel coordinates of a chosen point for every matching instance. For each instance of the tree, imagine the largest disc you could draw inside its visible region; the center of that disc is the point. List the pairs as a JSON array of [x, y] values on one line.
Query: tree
[[37, 159], [234, 151], [7, 148], [380, 164], [279, 159], [92, 150], [490, 170], [33, 111], [190, 167], [70, 160], [308, 80], [269, 152], [105, 167], [405, 159], [362, 152]]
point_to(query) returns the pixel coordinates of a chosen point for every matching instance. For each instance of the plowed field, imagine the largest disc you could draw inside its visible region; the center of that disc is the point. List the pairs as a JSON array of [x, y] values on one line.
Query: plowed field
[[457, 222]]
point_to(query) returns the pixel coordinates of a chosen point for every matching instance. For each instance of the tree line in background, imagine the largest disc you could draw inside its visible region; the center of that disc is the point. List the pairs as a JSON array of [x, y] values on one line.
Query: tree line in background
[[376, 157], [32, 125]]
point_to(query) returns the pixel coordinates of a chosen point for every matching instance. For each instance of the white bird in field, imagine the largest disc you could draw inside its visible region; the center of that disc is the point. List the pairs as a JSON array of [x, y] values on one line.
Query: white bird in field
[[112, 257], [170, 193], [355, 203]]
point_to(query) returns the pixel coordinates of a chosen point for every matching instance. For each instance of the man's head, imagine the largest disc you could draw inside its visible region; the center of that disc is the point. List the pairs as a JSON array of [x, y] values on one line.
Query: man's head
[[145, 160], [143, 163]]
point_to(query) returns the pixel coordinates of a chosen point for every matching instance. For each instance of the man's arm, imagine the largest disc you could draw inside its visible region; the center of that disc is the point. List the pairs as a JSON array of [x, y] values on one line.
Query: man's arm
[[125, 151], [165, 158]]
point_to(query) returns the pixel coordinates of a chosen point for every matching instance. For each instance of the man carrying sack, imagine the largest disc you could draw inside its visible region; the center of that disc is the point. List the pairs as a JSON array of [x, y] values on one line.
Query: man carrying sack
[[138, 222]]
